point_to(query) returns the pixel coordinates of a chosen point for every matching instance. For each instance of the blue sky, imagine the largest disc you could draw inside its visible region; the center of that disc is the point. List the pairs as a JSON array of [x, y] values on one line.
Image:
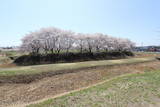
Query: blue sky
[[138, 20]]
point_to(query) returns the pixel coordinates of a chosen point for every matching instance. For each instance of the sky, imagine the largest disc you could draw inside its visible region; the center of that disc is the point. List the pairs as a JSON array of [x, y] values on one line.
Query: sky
[[137, 20]]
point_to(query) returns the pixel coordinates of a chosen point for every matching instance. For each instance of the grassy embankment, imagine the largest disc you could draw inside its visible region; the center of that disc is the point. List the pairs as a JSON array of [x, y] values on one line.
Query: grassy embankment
[[140, 90], [7, 58], [4, 60], [27, 70]]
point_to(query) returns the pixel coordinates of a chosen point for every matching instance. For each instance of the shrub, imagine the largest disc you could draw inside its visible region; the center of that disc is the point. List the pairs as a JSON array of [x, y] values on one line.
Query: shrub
[[69, 57]]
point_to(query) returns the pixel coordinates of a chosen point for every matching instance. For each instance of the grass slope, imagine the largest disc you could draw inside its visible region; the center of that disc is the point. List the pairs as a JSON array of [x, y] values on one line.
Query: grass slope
[[67, 66], [4, 60], [136, 90]]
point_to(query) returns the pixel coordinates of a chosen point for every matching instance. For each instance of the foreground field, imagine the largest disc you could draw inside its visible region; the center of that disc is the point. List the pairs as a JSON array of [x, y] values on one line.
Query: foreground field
[[134, 90], [22, 94]]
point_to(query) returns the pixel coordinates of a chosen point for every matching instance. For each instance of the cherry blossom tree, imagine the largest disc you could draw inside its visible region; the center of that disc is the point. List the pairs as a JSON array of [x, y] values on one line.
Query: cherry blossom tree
[[67, 40], [31, 43], [80, 42], [50, 40]]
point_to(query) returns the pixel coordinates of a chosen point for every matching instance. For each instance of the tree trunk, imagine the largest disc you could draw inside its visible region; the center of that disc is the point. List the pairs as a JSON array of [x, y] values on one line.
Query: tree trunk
[[52, 51], [67, 51], [81, 50]]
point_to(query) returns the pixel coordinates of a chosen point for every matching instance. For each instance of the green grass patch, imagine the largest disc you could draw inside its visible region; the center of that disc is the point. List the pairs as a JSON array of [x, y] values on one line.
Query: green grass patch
[[125, 91], [68, 66]]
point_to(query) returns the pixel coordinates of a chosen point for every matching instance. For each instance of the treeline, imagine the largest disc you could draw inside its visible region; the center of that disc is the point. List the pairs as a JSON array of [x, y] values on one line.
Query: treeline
[[54, 40], [52, 45]]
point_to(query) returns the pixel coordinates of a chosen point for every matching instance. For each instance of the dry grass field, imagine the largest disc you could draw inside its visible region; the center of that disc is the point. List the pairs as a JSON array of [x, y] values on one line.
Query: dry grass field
[[134, 90], [14, 94], [24, 85]]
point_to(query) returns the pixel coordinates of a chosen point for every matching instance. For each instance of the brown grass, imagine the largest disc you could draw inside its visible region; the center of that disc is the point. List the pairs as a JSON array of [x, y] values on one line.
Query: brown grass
[[57, 84], [146, 54]]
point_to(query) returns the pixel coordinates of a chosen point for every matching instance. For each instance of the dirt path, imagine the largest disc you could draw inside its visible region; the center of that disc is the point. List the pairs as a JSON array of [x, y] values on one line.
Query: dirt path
[[59, 85]]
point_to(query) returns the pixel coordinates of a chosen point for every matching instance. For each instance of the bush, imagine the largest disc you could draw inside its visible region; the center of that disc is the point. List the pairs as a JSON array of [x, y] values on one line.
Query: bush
[[69, 57]]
